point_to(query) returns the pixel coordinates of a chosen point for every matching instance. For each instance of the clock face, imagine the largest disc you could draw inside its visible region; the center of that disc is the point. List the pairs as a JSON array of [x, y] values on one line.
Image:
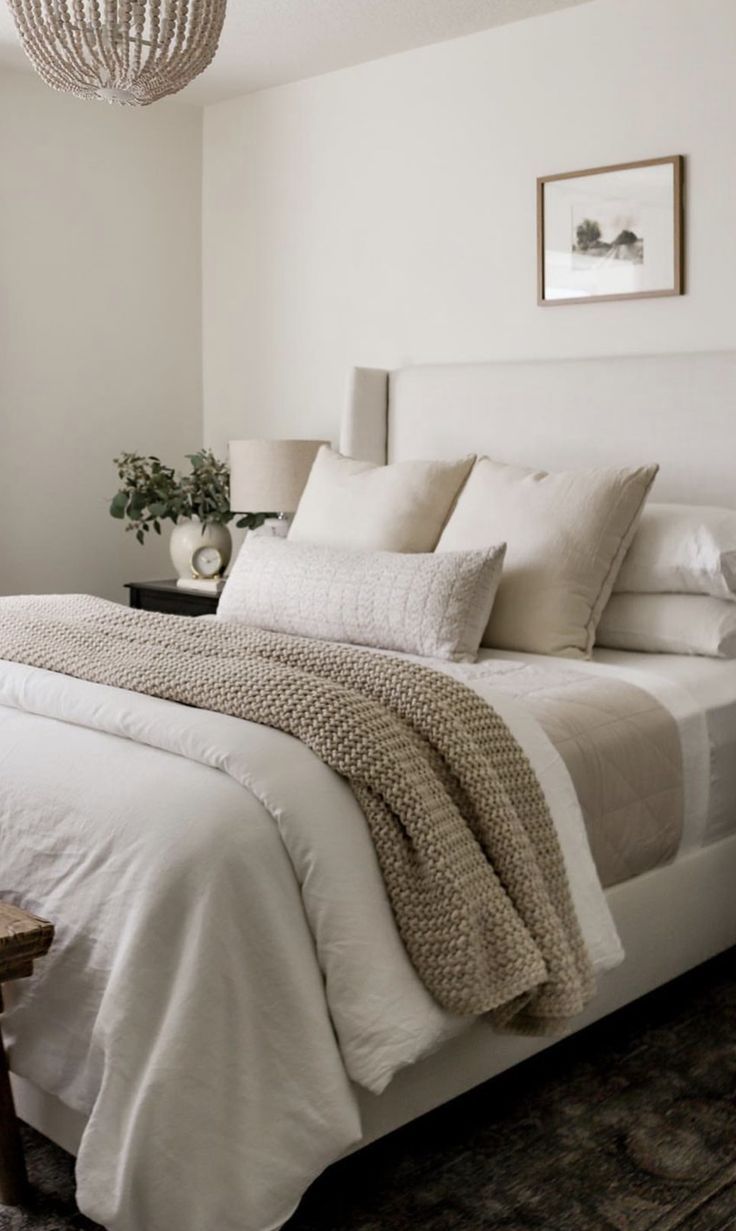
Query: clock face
[[207, 562]]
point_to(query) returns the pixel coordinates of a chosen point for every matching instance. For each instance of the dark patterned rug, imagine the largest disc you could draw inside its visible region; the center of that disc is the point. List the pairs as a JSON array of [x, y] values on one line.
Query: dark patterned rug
[[629, 1127]]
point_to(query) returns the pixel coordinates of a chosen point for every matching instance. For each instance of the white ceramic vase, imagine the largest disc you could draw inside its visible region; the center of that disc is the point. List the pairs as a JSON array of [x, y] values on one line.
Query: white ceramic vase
[[189, 534]]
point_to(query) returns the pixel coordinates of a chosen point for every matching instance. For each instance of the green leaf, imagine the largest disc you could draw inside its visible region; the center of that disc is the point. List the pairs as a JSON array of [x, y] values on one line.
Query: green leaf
[[119, 504], [152, 492]]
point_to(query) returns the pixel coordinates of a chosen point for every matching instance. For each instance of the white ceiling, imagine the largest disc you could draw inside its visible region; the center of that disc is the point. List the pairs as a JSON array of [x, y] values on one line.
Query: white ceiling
[[271, 42]]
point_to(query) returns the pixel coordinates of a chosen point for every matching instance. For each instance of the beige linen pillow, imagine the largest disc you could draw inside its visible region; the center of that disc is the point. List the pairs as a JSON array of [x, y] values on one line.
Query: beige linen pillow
[[401, 507], [415, 603], [567, 535], [669, 624]]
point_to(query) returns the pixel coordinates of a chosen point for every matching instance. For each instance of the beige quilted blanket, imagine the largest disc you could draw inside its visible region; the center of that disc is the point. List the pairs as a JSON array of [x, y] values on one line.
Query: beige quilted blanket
[[465, 842], [622, 749]]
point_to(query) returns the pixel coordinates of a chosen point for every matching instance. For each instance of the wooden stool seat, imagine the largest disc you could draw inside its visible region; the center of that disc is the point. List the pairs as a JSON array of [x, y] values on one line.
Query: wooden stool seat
[[23, 938]]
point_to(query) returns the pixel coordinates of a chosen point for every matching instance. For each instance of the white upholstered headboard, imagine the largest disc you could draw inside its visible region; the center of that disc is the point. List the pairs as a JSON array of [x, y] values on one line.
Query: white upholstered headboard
[[678, 410]]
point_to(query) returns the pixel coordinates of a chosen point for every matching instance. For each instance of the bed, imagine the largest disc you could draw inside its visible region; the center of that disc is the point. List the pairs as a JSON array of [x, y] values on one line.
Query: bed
[[679, 410], [107, 758]]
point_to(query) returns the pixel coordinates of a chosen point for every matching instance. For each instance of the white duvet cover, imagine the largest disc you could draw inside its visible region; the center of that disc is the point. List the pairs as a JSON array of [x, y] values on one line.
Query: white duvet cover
[[226, 964]]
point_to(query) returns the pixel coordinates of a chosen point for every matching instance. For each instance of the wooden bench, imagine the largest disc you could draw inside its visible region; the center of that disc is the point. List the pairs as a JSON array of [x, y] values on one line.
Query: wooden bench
[[23, 938]]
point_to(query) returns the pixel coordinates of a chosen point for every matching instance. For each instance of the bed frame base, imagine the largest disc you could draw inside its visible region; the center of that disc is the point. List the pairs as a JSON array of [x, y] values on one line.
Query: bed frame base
[[670, 920]]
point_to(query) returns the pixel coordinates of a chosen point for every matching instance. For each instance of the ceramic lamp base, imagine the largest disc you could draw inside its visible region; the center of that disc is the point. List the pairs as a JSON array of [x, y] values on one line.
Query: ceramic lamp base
[[274, 527]]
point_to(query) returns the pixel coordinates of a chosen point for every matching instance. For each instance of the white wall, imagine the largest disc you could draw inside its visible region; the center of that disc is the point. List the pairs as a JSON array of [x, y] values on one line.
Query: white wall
[[385, 214], [100, 325]]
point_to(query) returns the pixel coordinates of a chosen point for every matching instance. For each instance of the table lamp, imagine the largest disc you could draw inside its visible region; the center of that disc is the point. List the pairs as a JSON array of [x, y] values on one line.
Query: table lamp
[[270, 476]]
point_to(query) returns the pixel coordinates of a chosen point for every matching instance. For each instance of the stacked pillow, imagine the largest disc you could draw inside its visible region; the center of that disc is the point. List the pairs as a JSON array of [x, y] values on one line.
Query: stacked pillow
[[402, 507], [344, 572], [358, 565], [408, 557], [411, 602], [567, 535], [676, 591]]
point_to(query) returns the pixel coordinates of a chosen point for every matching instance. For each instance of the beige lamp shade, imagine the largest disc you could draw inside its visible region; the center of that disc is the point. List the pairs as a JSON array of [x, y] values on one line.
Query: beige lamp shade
[[268, 476]]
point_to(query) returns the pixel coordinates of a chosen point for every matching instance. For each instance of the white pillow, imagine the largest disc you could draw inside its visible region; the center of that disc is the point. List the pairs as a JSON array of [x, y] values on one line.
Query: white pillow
[[402, 507], [435, 606], [567, 534], [669, 624], [682, 549]]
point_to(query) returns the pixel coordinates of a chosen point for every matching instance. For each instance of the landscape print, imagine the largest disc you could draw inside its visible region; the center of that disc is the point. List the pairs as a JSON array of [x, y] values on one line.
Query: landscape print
[[605, 234], [610, 232]]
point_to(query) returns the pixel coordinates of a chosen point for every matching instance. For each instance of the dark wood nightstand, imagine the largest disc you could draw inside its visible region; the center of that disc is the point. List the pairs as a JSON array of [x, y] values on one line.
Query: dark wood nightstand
[[169, 597]]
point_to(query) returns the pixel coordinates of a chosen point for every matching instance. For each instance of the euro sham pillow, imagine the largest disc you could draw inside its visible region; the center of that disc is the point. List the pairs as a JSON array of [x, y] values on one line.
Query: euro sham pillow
[[413, 603], [669, 624], [566, 535], [354, 504], [682, 549]]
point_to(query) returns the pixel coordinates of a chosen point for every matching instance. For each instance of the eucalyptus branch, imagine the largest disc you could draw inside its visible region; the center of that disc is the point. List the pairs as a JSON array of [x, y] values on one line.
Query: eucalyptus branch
[[151, 492]]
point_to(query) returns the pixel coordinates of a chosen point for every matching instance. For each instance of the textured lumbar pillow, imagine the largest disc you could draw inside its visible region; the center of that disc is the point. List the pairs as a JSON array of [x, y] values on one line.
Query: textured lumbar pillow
[[414, 603], [402, 507], [669, 624], [682, 549], [567, 535]]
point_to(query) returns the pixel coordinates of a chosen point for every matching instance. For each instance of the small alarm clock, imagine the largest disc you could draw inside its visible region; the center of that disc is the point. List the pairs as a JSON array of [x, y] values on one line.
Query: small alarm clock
[[207, 563]]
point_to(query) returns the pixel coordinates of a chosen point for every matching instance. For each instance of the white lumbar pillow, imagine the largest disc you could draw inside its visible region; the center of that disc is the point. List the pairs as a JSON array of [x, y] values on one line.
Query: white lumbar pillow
[[682, 549], [414, 603], [401, 507], [567, 535], [669, 624]]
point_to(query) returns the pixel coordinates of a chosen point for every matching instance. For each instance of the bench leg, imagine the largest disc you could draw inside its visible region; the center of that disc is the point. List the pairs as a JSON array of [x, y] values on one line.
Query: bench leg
[[13, 1181]]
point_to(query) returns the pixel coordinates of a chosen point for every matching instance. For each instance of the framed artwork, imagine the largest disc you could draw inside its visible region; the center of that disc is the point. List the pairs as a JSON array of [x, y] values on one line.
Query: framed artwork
[[610, 232]]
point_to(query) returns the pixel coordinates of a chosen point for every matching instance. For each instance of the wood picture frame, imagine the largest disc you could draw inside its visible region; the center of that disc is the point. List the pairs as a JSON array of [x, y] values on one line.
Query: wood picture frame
[[617, 236]]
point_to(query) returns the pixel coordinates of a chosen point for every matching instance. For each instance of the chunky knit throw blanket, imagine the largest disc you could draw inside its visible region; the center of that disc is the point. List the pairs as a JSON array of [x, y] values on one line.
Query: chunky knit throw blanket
[[463, 835]]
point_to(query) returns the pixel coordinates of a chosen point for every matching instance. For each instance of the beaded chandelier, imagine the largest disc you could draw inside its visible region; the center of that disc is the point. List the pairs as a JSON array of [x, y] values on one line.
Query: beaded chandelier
[[132, 52]]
